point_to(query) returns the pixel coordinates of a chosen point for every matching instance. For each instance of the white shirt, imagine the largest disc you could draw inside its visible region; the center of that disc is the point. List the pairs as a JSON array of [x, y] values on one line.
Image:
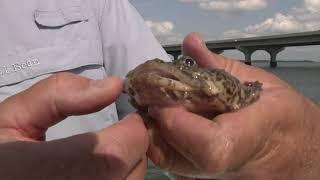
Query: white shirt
[[92, 38]]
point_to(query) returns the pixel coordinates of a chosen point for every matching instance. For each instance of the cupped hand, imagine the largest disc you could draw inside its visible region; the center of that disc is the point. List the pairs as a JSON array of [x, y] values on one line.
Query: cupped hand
[[117, 152], [277, 137]]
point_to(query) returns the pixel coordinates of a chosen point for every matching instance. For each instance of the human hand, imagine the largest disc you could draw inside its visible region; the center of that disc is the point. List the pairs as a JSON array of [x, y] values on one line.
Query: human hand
[[277, 137], [107, 154]]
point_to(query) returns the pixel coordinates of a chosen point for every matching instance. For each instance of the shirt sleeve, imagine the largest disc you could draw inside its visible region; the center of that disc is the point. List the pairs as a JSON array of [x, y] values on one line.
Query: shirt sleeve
[[127, 42]]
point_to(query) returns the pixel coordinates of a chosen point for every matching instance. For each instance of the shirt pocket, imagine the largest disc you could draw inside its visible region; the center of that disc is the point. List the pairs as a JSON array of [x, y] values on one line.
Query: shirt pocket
[[67, 37]]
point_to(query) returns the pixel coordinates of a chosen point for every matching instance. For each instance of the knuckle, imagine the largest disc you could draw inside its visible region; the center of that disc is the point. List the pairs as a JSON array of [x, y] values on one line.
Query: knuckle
[[116, 147], [57, 81], [65, 82], [62, 78], [114, 152]]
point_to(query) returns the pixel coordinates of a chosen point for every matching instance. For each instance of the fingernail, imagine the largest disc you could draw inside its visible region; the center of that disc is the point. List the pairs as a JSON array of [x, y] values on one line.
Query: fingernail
[[197, 37], [202, 42]]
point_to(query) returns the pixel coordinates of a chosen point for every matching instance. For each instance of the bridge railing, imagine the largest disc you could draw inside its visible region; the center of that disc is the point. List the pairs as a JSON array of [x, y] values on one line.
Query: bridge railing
[[271, 44]]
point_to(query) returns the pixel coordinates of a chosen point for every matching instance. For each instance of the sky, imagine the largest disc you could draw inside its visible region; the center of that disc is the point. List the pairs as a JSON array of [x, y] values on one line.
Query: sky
[[172, 20]]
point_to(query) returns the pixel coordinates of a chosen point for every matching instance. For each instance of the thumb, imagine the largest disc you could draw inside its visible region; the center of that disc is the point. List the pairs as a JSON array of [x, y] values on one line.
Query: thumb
[[194, 46], [48, 102]]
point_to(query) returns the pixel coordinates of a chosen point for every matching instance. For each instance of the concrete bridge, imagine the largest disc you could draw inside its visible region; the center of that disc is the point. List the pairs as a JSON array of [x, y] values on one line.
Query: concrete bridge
[[271, 44]]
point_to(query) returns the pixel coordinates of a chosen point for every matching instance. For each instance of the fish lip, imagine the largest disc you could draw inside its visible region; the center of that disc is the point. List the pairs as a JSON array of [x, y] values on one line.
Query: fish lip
[[163, 75], [170, 83]]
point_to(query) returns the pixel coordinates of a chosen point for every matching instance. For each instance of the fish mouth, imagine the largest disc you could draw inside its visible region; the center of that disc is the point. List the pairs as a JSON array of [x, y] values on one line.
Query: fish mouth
[[170, 83], [162, 80]]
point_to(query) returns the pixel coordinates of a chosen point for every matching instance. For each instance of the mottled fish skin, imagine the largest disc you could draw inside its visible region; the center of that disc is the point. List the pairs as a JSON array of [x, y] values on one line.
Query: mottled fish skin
[[183, 82]]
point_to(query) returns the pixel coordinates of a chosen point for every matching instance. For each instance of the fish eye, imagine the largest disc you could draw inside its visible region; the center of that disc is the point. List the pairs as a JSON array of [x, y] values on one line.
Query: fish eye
[[189, 62]]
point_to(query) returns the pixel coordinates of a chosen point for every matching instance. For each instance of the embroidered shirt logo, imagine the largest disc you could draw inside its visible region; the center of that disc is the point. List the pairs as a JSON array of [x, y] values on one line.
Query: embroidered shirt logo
[[16, 67]]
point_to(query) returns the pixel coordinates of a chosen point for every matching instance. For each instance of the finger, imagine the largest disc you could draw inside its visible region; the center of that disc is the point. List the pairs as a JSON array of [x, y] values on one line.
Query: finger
[[167, 157], [213, 146], [111, 153], [128, 141], [46, 103], [194, 46], [184, 131]]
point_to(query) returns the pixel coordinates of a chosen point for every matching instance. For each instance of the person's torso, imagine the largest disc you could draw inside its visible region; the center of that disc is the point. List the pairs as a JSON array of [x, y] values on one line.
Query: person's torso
[[42, 37]]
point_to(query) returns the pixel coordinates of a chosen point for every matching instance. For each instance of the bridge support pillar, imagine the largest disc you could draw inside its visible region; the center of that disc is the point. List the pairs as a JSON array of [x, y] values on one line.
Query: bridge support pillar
[[175, 55], [273, 51], [247, 51]]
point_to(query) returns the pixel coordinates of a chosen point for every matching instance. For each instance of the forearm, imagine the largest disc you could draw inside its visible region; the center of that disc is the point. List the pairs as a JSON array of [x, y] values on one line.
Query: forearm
[[126, 39]]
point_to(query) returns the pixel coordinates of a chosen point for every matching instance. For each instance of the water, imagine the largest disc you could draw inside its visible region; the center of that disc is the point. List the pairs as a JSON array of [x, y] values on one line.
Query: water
[[303, 75]]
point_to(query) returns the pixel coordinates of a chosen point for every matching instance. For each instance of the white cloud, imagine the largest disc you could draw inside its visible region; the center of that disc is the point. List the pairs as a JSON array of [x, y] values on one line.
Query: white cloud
[[312, 5], [161, 28], [164, 31], [279, 23], [306, 18], [229, 6]]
